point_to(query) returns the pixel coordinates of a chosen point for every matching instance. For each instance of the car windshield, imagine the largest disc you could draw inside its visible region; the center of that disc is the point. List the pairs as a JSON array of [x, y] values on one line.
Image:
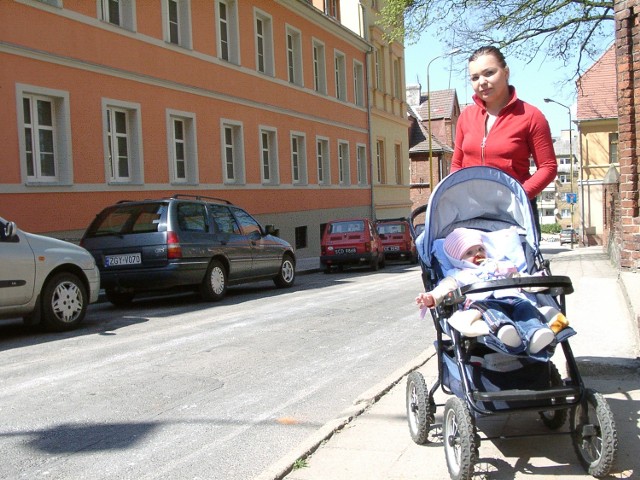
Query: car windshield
[[389, 228], [347, 227], [140, 218]]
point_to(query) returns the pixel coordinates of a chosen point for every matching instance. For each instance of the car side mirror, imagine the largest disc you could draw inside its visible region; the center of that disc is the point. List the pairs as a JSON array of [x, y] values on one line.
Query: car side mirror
[[10, 230], [270, 229]]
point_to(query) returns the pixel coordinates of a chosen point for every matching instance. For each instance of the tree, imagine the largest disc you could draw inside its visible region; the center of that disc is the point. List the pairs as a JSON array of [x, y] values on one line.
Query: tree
[[574, 31]]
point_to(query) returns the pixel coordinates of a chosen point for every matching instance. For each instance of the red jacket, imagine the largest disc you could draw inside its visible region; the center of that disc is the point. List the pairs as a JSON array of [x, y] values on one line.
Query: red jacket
[[520, 131]]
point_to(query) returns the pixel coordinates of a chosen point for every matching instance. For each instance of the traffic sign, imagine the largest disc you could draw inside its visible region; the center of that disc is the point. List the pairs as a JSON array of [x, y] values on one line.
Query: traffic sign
[[572, 198]]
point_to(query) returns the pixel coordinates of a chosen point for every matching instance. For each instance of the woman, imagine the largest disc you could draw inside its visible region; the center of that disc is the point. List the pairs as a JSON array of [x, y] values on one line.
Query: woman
[[500, 130]]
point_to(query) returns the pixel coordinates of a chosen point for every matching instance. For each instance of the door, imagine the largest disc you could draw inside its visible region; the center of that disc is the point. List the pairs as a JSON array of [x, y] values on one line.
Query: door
[[267, 254], [235, 245], [17, 273]]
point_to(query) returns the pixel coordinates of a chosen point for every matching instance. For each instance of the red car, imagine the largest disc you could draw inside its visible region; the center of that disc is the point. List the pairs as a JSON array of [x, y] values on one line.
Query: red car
[[351, 242], [396, 239]]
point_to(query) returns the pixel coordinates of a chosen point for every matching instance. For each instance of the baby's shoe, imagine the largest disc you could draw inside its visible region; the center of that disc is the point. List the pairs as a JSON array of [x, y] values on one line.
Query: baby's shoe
[[509, 336], [540, 339]]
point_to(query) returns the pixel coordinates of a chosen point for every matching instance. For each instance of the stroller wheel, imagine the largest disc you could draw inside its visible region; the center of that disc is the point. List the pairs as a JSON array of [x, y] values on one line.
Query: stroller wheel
[[594, 434], [460, 440], [554, 419], [420, 408]]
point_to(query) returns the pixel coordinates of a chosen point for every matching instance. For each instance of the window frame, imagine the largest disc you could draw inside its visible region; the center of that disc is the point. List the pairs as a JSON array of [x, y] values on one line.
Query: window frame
[[344, 170], [323, 160], [267, 42], [182, 21], [230, 26], [299, 171], [190, 151], [380, 162], [236, 150], [126, 13], [340, 71], [293, 51], [358, 83], [319, 66], [61, 135], [397, 153], [134, 142], [269, 169], [361, 163]]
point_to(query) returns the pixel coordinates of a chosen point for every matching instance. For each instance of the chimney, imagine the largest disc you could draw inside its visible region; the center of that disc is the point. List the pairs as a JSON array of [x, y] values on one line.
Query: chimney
[[413, 95]]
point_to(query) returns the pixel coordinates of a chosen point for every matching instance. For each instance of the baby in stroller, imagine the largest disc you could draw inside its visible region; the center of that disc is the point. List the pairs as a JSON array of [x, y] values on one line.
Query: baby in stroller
[[511, 316]]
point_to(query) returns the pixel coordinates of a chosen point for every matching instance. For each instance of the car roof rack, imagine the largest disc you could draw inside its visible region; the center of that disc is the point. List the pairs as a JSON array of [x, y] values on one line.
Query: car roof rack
[[201, 197]]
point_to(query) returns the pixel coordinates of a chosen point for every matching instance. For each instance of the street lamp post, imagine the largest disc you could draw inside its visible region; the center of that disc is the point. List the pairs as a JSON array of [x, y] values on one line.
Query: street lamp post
[[455, 50], [549, 100]]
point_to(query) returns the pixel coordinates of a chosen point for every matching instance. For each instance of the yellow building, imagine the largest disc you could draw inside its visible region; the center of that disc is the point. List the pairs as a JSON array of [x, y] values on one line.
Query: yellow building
[[597, 120]]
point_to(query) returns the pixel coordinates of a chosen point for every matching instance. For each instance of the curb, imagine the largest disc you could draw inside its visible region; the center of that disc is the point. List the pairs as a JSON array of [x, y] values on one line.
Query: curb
[[284, 466]]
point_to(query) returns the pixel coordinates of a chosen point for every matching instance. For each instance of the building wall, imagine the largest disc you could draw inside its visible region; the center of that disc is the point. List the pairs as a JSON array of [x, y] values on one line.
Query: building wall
[[83, 63], [626, 247]]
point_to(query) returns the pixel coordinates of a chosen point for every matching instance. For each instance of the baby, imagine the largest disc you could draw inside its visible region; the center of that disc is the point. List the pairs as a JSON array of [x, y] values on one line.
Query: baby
[[508, 314]]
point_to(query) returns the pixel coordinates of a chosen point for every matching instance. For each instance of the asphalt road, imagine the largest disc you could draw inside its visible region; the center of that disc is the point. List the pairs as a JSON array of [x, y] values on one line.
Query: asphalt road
[[176, 388]]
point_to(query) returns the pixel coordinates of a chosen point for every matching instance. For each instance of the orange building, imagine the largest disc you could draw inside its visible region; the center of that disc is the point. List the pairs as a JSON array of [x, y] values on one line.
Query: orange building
[[257, 101]]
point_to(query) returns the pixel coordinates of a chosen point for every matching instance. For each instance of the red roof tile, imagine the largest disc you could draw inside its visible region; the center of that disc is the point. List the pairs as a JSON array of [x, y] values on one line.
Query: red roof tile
[[597, 89]]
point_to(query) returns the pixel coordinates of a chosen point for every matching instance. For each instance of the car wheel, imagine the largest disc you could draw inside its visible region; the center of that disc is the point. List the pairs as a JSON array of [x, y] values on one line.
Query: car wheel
[[287, 274], [214, 284], [64, 302], [119, 299]]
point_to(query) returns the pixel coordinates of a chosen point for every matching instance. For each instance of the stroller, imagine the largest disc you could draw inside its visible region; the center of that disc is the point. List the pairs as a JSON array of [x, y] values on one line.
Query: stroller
[[490, 200]]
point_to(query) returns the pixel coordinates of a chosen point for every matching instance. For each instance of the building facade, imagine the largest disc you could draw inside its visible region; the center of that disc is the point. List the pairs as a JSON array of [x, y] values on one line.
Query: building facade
[[261, 102], [597, 121], [390, 177]]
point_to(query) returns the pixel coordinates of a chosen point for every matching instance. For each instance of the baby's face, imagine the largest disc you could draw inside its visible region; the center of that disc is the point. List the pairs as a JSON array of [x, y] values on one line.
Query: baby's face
[[475, 254]]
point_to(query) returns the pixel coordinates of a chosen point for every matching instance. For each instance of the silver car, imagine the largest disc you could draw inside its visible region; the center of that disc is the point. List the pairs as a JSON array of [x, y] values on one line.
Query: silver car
[[44, 280]]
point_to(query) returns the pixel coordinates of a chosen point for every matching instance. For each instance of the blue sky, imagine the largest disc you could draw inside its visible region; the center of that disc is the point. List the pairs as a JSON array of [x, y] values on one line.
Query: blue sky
[[542, 78]]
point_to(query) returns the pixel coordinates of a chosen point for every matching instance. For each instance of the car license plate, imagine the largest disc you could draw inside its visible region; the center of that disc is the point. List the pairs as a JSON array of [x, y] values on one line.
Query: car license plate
[[125, 259], [391, 248], [340, 251]]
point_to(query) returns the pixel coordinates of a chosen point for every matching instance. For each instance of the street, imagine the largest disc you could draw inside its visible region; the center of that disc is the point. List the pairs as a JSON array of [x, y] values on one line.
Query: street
[[177, 388]]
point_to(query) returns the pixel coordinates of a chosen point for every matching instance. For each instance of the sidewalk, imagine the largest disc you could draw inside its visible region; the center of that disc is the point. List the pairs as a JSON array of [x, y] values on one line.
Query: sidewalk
[[371, 440]]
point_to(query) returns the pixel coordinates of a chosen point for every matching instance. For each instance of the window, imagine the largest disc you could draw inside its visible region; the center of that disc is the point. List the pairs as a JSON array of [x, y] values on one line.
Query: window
[[122, 142], [566, 213], [341, 76], [397, 79], [358, 83], [343, 163], [118, 12], [183, 166], [298, 158], [192, 217], [399, 168], [319, 68], [332, 8], [361, 161], [223, 220], [380, 162], [53, 3], [613, 147], [44, 131], [294, 56], [177, 22], [322, 157], [247, 223], [232, 152], [264, 43], [268, 156], [301, 237], [564, 178], [377, 65], [228, 31]]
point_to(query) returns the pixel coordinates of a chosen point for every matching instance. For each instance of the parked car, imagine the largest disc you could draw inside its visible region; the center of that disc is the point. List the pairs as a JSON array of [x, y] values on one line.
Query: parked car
[[568, 235], [351, 242], [184, 242], [396, 240], [44, 280]]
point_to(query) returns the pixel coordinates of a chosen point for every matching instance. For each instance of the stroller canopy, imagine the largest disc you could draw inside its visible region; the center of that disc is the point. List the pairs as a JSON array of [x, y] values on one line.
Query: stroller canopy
[[477, 197]]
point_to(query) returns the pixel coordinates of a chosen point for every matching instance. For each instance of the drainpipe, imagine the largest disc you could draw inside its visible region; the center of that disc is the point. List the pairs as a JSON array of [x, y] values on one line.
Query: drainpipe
[[368, 97]]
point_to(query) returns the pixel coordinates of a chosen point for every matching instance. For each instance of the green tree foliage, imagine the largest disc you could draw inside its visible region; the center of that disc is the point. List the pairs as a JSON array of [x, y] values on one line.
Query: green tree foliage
[[574, 31]]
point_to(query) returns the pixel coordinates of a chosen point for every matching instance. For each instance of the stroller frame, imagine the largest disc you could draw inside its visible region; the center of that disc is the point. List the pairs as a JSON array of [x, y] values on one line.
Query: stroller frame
[[592, 428]]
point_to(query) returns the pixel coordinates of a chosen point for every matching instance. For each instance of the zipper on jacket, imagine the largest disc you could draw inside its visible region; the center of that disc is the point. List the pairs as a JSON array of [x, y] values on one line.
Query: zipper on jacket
[[482, 145]]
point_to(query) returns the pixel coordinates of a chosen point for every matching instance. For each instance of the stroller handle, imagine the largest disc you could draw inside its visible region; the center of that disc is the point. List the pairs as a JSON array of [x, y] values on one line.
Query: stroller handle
[[557, 284], [412, 228]]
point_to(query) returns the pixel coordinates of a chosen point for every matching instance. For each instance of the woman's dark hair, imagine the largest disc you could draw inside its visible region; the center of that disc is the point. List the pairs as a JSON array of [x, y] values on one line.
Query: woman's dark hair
[[489, 50]]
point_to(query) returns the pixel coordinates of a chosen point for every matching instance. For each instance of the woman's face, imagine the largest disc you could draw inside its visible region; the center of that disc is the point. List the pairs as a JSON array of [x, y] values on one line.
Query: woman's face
[[489, 80]]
